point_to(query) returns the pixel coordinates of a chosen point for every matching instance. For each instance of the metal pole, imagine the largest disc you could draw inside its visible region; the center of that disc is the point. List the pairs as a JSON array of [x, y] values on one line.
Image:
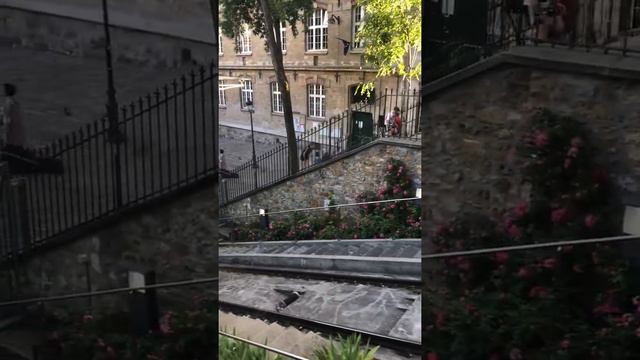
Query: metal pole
[[253, 148], [115, 136]]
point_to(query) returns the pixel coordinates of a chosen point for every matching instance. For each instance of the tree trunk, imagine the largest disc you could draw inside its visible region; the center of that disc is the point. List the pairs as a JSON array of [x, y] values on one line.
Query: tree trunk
[[274, 41]]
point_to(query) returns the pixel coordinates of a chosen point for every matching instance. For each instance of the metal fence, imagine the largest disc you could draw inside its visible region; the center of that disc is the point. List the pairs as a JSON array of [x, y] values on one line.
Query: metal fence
[[169, 142], [341, 133], [462, 38]]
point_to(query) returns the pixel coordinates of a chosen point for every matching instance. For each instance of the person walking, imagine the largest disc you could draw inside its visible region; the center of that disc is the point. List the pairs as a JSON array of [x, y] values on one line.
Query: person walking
[[12, 127]]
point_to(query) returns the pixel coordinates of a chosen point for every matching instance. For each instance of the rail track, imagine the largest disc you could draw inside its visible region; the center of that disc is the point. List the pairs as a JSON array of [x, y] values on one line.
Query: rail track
[[403, 346]]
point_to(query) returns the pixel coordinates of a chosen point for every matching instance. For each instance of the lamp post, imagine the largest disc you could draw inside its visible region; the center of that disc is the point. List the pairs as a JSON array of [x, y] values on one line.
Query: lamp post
[[250, 108], [115, 137]]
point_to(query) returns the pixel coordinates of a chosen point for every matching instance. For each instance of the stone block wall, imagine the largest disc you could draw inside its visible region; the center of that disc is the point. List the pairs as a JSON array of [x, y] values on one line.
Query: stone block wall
[[358, 172], [177, 240], [473, 129]]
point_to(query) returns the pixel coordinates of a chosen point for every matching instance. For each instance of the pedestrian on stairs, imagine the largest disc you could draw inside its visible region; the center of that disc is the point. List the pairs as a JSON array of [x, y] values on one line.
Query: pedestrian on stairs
[[11, 125]]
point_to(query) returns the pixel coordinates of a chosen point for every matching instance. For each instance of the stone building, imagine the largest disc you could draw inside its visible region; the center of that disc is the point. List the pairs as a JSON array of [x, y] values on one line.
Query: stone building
[[323, 66]]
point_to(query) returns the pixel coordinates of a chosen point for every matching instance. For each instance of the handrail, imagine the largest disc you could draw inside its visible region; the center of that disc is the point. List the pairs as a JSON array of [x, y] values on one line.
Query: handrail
[[109, 292], [265, 347]]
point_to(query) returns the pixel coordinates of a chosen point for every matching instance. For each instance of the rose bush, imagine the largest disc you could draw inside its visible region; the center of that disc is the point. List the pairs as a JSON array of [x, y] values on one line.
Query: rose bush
[[381, 220], [181, 335], [573, 302]]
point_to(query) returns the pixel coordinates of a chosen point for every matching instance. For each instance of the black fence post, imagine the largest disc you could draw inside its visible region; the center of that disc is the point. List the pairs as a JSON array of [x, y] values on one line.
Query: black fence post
[[20, 214]]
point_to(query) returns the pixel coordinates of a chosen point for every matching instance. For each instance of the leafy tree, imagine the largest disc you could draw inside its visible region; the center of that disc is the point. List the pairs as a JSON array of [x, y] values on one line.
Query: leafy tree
[[392, 34], [264, 18]]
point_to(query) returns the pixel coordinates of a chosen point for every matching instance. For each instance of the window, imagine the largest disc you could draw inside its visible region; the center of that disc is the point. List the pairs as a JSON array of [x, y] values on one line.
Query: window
[[220, 50], [246, 93], [276, 98], [222, 100], [283, 36], [358, 17], [283, 39], [317, 100], [244, 43], [318, 26], [448, 7]]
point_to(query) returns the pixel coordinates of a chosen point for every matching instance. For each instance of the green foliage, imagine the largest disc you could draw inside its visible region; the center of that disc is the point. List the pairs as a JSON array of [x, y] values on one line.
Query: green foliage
[[392, 34], [230, 349], [350, 348], [238, 13], [382, 220], [575, 302]]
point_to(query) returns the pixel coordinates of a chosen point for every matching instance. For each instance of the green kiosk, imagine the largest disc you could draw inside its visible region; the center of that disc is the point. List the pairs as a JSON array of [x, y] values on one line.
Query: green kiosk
[[361, 129]]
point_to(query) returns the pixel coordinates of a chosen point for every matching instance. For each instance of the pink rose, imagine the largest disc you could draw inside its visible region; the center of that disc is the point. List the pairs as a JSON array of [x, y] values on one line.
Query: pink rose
[[502, 257], [541, 139], [573, 152], [565, 343], [521, 209], [538, 292], [550, 263], [559, 215], [524, 272], [577, 142], [515, 232], [86, 318], [590, 221], [389, 167]]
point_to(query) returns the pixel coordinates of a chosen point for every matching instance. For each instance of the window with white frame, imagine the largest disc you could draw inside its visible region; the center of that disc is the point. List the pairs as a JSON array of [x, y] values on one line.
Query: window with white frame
[[276, 98], [358, 17], [318, 26], [317, 100], [244, 43], [220, 50], [283, 36], [222, 100], [448, 7], [246, 93]]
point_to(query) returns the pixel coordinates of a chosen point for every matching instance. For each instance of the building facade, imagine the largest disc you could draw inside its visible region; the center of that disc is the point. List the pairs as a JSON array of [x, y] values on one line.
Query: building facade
[[324, 65]]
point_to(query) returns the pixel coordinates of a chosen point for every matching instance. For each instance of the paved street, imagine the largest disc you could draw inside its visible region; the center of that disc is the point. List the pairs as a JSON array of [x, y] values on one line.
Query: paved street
[[49, 82]]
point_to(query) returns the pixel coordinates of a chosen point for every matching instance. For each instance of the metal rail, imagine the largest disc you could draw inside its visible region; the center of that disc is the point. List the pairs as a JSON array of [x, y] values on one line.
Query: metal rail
[[485, 251], [268, 348], [321, 208], [385, 341], [108, 292], [328, 275]]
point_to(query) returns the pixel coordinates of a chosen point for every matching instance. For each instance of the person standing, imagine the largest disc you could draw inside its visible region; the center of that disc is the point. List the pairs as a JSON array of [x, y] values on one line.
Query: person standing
[[222, 163], [11, 120]]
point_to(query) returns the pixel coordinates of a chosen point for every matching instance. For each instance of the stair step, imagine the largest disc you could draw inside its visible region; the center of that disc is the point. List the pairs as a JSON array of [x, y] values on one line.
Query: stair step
[[6, 354]]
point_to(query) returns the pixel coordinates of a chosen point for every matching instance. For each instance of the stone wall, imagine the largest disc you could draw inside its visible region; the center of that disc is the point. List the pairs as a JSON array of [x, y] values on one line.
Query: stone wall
[[177, 240], [474, 126], [346, 177], [77, 37]]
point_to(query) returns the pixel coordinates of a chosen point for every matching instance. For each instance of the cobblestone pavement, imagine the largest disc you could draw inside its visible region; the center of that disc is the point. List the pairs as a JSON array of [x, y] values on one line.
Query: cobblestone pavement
[[48, 82]]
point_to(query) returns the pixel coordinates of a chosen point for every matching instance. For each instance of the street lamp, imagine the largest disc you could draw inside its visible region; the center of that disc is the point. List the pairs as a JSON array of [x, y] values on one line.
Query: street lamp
[[249, 107], [115, 137]]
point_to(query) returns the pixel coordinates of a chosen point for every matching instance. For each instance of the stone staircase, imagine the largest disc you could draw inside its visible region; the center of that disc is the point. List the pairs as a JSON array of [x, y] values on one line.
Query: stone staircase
[[6, 354]]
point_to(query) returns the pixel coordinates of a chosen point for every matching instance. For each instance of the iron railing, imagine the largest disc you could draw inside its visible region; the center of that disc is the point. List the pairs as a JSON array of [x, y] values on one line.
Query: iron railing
[[339, 134], [170, 137], [461, 39]]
